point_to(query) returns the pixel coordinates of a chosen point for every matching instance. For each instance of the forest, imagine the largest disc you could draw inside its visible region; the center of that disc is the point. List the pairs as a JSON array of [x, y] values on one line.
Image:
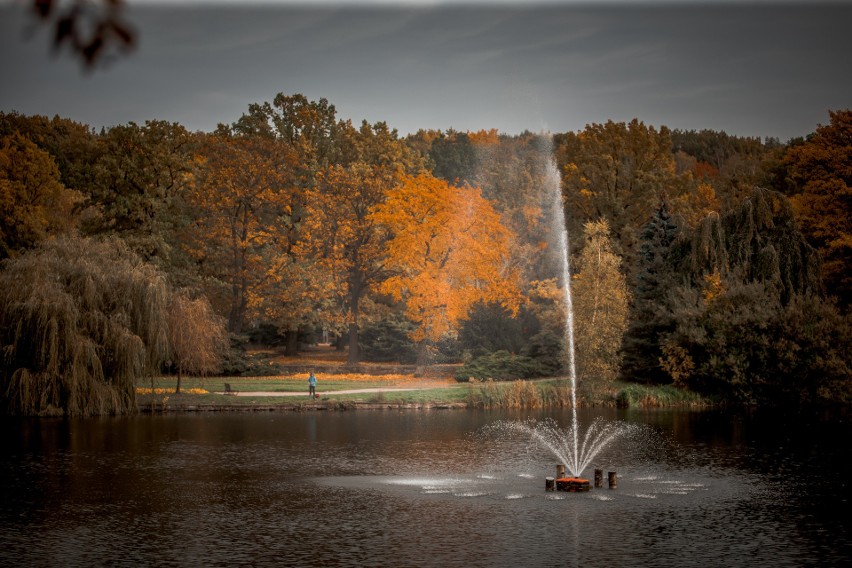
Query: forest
[[711, 262]]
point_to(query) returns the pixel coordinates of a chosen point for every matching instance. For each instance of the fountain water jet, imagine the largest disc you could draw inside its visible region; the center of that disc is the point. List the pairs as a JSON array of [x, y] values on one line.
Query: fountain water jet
[[566, 445], [554, 186]]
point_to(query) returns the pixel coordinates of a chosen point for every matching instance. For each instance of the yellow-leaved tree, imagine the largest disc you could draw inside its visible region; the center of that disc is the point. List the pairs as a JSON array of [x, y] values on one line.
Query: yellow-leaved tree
[[448, 249], [600, 303]]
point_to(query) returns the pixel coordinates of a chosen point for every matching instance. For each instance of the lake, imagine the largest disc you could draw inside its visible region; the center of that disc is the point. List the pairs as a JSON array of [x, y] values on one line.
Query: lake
[[421, 488]]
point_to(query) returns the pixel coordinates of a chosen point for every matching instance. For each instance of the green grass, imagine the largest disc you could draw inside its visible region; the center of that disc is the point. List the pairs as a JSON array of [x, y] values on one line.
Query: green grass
[[645, 396], [427, 396], [326, 387], [257, 384], [487, 394]]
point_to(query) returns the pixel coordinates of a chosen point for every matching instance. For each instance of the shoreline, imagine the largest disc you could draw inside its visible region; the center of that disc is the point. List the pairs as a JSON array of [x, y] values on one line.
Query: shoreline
[[301, 407]]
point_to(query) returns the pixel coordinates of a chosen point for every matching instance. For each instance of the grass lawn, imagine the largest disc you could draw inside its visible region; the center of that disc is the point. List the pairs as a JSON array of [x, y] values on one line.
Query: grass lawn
[[333, 390], [202, 391]]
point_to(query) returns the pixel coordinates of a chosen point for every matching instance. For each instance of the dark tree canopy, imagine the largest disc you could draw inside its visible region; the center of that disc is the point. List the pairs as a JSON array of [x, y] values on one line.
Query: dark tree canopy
[[749, 323]]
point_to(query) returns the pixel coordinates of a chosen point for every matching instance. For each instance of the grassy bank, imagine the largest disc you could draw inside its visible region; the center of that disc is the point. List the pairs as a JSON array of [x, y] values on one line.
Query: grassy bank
[[556, 393], [207, 393]]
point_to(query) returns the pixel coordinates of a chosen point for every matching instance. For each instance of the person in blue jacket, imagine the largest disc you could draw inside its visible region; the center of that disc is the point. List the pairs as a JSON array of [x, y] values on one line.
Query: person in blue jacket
[[312, 385]]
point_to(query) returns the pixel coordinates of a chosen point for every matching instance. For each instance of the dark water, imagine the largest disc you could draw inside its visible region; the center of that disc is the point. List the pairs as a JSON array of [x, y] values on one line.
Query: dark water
[[419, 488]]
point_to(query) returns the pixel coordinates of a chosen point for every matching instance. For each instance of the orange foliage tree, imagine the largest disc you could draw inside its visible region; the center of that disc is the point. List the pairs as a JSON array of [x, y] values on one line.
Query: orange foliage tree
[[821, 170], [695, 203], [33, 202], [448, 249], [346, 241], [244, 197]]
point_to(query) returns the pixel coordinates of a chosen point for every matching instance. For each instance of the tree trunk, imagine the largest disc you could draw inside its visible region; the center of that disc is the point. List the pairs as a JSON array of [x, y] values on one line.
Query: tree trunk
[[354, 355], [177, 387], [239, 305], [423, 354], [291, 349], [356, 289], [354, 295]]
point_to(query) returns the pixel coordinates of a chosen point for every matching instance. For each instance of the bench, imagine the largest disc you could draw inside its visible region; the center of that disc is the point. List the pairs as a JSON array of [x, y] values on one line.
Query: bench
[[229, 390]]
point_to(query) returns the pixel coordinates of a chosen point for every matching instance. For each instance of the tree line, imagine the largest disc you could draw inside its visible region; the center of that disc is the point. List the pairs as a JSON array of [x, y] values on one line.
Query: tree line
[[713, 262]]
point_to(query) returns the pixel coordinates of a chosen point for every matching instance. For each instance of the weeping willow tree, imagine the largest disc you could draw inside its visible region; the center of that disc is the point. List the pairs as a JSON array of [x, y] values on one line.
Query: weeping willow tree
[[750, 324], [198, 337], [80, 322]]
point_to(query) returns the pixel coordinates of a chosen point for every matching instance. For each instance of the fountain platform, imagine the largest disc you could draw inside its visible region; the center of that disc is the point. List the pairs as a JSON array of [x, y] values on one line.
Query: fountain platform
[[569, 484]]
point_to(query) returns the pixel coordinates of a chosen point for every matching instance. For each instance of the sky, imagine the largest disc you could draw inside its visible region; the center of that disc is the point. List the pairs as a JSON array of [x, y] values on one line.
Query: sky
[[761, 68]]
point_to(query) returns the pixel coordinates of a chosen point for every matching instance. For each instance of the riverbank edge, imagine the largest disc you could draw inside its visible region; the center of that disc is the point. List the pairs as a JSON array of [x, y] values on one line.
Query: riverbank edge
[[488, 395], [299, 407]]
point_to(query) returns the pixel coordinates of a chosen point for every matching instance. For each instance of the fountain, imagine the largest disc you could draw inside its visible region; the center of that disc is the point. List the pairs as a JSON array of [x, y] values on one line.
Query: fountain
[[573, 450]]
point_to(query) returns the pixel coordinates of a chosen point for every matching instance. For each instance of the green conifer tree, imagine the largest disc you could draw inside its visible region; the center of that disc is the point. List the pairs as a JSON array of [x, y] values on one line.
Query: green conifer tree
[[648, 311]]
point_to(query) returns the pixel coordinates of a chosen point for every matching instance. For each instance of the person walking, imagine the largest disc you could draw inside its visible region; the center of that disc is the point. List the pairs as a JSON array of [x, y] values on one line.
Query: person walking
[[312, 385]]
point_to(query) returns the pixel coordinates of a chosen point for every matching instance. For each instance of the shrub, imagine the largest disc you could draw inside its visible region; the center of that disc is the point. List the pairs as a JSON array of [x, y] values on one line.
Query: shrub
[[237, 362], [388, 340], [500, 366]]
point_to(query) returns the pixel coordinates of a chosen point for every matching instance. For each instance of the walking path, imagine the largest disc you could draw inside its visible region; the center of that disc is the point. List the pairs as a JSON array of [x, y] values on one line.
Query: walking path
[[303, 393]]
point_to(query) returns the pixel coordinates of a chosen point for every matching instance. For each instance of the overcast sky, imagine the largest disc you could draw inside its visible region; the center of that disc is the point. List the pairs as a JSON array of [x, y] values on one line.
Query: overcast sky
[[763, 68]]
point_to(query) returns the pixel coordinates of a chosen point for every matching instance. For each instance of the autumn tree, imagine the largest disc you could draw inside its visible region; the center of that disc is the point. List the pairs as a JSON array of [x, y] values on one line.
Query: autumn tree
[[618, 172], [695, 202], [380, 147], [517, 174], [448, 250], [310, 129], [600, 304], [198, 337], [346, 239], [141, 180], [243, 195], [75, 148], [316, 139], [33, 202], [821, 171], [731, 165]]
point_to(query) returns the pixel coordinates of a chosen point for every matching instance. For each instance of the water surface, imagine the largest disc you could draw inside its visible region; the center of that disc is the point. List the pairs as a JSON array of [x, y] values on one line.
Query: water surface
[[419, 488]]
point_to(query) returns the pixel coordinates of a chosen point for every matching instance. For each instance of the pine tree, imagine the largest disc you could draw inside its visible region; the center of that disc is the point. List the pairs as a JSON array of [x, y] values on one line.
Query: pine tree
[[648, 312]]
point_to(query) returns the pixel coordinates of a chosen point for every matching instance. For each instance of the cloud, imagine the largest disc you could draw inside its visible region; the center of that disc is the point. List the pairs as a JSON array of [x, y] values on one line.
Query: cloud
[[750, 70]]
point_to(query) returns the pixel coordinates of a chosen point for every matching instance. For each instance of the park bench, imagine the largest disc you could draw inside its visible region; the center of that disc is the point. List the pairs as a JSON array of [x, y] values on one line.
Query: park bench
[[229, 390]]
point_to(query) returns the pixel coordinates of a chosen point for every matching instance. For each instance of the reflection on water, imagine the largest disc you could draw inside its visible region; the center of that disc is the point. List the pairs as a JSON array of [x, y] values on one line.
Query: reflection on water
[[418, 489]]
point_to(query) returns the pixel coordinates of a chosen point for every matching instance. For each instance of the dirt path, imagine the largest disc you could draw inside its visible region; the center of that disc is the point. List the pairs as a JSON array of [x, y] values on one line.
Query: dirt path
[[328, 393]]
